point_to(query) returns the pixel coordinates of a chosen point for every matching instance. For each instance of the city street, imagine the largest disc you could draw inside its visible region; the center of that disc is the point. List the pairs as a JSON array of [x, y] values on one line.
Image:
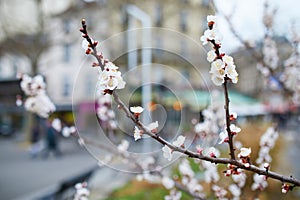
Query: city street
[[22, 177]]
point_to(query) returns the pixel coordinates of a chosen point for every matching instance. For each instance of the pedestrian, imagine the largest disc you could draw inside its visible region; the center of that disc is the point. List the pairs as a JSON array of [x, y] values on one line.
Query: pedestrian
[[35, 141], [51, 141]]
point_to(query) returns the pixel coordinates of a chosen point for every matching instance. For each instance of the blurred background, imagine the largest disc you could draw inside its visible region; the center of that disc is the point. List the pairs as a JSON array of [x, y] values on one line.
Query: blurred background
[[42, 37]]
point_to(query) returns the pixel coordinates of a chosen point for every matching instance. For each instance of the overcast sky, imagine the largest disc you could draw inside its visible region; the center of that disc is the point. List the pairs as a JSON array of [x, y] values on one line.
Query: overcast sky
[[247, 18]]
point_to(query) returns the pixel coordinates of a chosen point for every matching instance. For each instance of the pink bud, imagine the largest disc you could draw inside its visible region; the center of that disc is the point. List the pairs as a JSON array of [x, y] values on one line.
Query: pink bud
[[212, 154]]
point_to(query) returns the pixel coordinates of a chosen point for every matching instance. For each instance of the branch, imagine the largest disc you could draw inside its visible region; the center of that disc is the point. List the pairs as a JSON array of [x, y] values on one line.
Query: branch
[[92, 44], [226, 107], [191, 154], [132, 160]]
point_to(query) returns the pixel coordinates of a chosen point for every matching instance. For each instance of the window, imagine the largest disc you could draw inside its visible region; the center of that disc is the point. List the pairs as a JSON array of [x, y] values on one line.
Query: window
[[183, 21], [183, 48], [124, 17], [205, 3], [158, 16], [158, 52], [1, 70], [67, 26], [14, 64], [66, 86], [89, 86], [67, 53]]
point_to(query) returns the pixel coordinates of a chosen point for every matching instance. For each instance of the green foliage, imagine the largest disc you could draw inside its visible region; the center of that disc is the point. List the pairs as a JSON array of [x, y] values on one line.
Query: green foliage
[[136, 190]]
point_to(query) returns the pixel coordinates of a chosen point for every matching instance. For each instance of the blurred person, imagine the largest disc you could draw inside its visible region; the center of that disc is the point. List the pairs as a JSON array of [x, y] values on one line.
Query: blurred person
[[51, 141], [36, 145]]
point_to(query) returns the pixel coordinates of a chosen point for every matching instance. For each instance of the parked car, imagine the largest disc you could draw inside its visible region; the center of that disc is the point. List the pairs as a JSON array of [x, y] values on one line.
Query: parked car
[[6, 130]]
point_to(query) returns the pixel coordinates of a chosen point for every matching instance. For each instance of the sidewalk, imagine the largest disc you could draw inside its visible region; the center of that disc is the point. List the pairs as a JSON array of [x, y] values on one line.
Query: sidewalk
[[21, 175]]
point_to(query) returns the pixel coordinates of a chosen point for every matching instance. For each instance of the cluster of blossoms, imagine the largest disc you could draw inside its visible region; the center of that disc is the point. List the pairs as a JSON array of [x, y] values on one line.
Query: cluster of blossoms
[[239, 183], [152, 127], [174, 195], [267, 142], [234, 129], [188, 178], [167, 151], [270, 53], [289, 78], [213, 119], [270, 62], [105, 113], [219, 192], [66, 131], [123, 146], [222, 66], [244, 156], [211, 174], [82, 193], [109, 76], [291, 73], [37, 100], [269, 49]]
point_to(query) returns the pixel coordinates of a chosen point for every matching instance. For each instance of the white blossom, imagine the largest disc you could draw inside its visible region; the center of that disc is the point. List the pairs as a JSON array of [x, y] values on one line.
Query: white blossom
[[19, 102], [82, 192], [37, 100], [66, 131], [223, 137], [267, 142], [219, 191], [136, 109], [235, 190], [167, 182], [228, 60], [211, 174], [211, 56], [239, 179], [104, 111], [270, 52], [185, 169], [179, 142], [167, 152], [217, 80], [194, 187], [217, 65], [137, 133], [123, 146], [231, 73], [40, 104], [259, 182], [244, 152], [56, 124], [174, 195], [234, 129], [153, 126], [211, 18]]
